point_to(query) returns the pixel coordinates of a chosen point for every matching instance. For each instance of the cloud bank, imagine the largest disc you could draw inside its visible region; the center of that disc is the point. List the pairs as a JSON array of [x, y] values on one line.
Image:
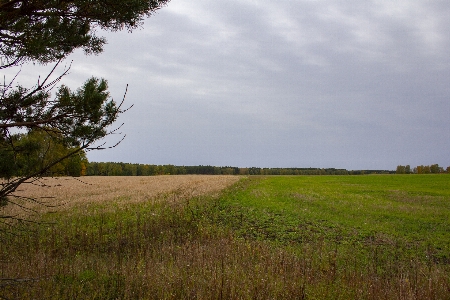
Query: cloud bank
[[348, 84]]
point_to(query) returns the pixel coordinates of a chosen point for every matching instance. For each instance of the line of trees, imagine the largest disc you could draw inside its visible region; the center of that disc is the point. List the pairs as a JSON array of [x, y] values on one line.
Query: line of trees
[[431, 169], [39, 148], [36, 148], [127, 169]]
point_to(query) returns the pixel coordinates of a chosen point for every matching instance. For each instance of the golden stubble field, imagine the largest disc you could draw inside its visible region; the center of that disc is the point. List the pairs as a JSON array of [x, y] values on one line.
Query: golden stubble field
[[63, 193]]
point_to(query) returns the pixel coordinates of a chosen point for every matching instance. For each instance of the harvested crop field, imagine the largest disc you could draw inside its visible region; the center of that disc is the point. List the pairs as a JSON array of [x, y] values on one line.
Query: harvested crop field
[[62, 193]]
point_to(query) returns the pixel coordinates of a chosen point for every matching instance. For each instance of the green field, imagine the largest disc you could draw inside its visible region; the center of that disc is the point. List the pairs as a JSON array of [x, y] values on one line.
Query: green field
[[411, 210], [275, 237]]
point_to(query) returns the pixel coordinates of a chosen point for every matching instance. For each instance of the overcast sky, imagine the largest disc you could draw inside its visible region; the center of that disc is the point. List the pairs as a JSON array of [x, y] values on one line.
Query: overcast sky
[[345, 84]]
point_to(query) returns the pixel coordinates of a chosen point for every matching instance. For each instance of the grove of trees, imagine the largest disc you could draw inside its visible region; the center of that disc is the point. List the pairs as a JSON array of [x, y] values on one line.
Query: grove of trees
[[431, 169], [36, 149]]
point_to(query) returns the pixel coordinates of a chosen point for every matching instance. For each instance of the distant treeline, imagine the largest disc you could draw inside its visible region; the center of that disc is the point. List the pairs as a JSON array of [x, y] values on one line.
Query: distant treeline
[[432, 169], [127, 169]]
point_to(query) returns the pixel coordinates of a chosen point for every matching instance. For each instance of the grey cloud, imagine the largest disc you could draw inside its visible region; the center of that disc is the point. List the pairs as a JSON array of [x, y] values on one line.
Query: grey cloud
[[351, 84]]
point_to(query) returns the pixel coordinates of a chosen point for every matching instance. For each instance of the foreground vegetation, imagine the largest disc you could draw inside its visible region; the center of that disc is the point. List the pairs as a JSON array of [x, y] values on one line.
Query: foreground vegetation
[[318, 237]]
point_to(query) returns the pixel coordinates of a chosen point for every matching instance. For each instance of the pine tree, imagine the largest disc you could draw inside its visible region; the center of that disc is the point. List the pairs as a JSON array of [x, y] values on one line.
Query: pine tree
[[47, 31]]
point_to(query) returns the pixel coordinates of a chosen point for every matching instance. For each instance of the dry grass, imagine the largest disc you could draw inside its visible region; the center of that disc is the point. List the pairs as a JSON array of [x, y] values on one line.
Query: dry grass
[[62, 193]]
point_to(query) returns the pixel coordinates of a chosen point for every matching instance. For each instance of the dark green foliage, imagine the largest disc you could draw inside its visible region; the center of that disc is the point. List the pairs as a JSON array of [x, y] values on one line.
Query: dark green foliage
[[37, 149], [49, 30], [7, 165], [79, 116]]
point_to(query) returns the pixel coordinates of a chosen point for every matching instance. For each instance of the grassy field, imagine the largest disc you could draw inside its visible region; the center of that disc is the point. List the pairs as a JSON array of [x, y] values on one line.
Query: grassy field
[[211, 237]]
